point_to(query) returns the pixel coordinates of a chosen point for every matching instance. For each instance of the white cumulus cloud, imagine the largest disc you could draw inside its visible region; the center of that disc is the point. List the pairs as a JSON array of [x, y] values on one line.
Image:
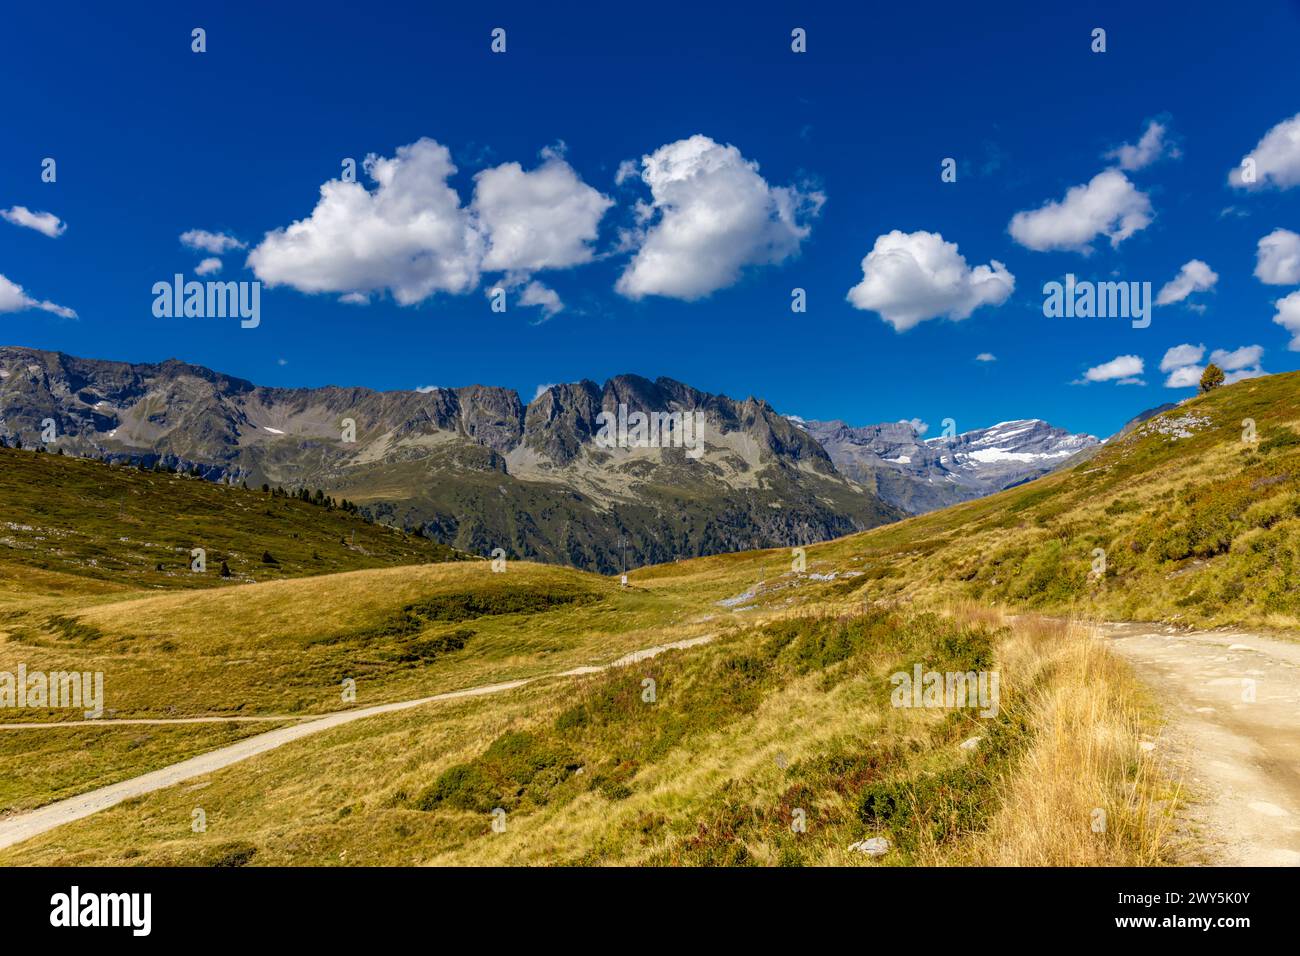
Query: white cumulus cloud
[[547, 298], [710, 216], [1151, 147], [1186, 376], [543, 219], [411, 235], [1109, 205], [1276, 159], [911, 277], [1237, 359], [1277, 258], [1182, 362], [1181, 355], [918, 426], [216, 243], [208, 266], [1240, 363], [1124, 369], [1194, 276], [986, 357], [1288, 316], [14, 299], [45, 223]]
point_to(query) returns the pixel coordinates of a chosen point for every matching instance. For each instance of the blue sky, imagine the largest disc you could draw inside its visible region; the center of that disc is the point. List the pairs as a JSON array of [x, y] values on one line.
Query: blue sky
[[810, 157]]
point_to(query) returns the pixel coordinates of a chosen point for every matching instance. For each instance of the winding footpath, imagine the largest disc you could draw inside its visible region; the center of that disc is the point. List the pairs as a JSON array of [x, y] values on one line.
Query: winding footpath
[[1233, 703], [24, 826], [1232, 699]]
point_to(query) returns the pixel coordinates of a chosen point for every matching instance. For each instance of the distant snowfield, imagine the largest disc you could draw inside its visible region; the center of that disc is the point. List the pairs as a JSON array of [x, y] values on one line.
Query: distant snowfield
[[987, 455], [273, 431]]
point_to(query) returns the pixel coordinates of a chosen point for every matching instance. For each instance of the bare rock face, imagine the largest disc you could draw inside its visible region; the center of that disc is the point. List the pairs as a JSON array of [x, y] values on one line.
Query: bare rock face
[[491, 416], [560, 421], [473, 466]]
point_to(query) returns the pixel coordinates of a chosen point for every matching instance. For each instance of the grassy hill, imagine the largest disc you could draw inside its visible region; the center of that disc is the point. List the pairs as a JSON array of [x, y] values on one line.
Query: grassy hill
[[1196, 525], [128, 529], [786, 709], [284, 647], [786, 721]]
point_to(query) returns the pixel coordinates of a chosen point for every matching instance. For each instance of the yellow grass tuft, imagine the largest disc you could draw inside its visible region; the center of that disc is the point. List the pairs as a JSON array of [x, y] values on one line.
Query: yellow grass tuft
[[1084, 793]]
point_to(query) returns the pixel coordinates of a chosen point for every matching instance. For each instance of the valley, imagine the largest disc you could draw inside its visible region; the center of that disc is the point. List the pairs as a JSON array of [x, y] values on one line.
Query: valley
[[769, 691], [476, 469]]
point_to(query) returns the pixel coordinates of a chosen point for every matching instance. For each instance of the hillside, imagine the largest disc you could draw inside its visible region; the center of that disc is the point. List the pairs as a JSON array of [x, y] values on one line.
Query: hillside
[[285, 647], [126, 528], [773, 744], [1197, 525]]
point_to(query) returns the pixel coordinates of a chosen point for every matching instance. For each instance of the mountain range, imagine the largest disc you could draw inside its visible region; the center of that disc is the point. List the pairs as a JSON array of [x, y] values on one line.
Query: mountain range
[[477, 468], [919, 475]]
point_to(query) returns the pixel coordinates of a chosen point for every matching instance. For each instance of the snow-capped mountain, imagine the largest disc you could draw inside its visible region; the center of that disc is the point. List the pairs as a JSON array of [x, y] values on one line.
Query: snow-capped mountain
[[921, 474]]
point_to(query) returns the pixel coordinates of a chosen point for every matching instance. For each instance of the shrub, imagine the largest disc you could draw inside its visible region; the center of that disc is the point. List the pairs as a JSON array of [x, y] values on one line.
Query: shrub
[[517, 766], [434, 647], [230, 854], [1285, 438]]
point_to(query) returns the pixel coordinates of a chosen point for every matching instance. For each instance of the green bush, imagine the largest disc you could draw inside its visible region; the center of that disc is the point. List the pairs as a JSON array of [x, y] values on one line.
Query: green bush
[[229, 854], [935, 807], [463, 786], [434, 647], [1285, 438], [517, 766], [1046, 575]]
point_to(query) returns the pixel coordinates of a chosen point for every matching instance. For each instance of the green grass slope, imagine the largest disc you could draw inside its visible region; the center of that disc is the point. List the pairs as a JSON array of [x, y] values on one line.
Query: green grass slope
[[133, 529], [285, 647], [1193, 517]]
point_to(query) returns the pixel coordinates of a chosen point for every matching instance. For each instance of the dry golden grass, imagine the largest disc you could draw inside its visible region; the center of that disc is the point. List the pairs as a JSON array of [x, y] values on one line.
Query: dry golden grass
[[348, 796], [283, 647], [1084, 793], [1202, 529]]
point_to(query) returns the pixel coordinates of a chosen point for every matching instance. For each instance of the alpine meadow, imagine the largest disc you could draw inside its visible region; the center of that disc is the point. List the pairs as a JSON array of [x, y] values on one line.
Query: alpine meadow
[[630, 441]]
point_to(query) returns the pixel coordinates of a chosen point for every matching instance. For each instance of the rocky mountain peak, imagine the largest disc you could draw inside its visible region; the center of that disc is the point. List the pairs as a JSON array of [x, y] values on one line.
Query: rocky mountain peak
[[920, 474]]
